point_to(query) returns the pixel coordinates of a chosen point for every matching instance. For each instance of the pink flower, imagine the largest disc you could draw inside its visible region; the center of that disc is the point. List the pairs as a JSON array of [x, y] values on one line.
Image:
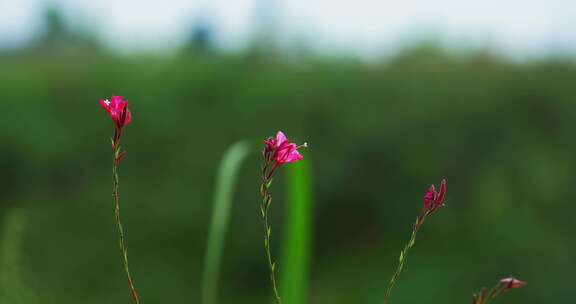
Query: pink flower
[[117, 108], [433, 199], [511, 283], [281, 151]]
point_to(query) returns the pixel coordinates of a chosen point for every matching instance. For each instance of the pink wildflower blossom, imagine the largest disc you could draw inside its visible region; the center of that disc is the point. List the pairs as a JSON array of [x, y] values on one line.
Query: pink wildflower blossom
[[511, 283], [433, 199], [281, 150], [117, 108], [277, 151]]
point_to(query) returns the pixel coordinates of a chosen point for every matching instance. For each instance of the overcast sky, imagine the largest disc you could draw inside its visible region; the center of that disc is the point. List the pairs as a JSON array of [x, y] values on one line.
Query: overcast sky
[[363, 27]]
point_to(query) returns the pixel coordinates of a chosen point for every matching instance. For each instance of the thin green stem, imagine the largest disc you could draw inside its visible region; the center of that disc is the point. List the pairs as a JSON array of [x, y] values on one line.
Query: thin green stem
[[403, 257], [494, 293], [266, 202], [120, 229], [271, 263]]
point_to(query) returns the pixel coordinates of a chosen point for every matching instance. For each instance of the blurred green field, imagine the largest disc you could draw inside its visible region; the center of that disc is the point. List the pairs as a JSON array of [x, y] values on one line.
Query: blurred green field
[[380, 133]]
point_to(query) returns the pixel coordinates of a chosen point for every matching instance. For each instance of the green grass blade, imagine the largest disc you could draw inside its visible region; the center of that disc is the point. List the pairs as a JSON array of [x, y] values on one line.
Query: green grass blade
[[296, 255], [225, 183]]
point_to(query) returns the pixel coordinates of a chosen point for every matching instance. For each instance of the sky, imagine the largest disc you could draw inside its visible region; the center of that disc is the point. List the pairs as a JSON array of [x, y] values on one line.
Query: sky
[[359, 27]]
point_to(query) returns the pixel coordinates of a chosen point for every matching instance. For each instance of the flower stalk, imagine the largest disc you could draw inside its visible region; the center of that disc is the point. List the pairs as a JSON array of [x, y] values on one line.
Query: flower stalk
[[121, 116], [277, 151], [264, 208], [432, 201], [121, 236], [401, 261]]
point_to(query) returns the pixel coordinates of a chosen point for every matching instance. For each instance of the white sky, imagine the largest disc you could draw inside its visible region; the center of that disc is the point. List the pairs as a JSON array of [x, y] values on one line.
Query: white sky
[[363, 27]]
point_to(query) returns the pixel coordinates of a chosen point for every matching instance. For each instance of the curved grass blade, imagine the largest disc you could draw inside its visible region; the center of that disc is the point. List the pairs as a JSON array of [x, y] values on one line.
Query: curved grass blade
[[225, 184], [296, 255]]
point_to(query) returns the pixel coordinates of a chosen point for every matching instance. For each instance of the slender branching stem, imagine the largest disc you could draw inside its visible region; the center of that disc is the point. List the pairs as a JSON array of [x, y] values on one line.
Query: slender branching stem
[[121, 238], [267, 173], [403, 256], [494, 292]]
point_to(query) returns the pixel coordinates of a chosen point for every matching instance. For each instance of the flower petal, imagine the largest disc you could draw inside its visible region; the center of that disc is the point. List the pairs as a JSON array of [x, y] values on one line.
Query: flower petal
[[512, 283], [128, 117], [441, 193], [280, 139], [429, 197], [283, 152], [115, 101], [293, 156], [105, 103]]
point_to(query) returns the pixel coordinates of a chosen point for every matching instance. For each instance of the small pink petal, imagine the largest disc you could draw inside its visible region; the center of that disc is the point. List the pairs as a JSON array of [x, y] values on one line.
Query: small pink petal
[[280, 139], [105, 104], [512, 283], [116, 100], [128, 117], [429, 197], [294, 156], [283, 152], [441, 193]]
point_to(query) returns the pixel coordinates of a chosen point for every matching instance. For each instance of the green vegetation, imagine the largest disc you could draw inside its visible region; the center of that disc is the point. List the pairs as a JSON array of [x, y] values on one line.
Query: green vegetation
[[14, 287], [297, 245], [501, 132], [223, 198]]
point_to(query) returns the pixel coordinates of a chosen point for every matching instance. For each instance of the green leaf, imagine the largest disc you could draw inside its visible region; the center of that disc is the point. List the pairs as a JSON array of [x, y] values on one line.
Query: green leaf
[[268, 201], [225, 184], [296, 254]]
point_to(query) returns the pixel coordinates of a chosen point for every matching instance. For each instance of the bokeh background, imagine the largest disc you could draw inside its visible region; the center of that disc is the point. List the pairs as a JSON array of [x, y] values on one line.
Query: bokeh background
[[391, 97]]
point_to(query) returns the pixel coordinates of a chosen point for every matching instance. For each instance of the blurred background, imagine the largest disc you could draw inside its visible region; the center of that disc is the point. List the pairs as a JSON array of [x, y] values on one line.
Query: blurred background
[[391, 97]]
